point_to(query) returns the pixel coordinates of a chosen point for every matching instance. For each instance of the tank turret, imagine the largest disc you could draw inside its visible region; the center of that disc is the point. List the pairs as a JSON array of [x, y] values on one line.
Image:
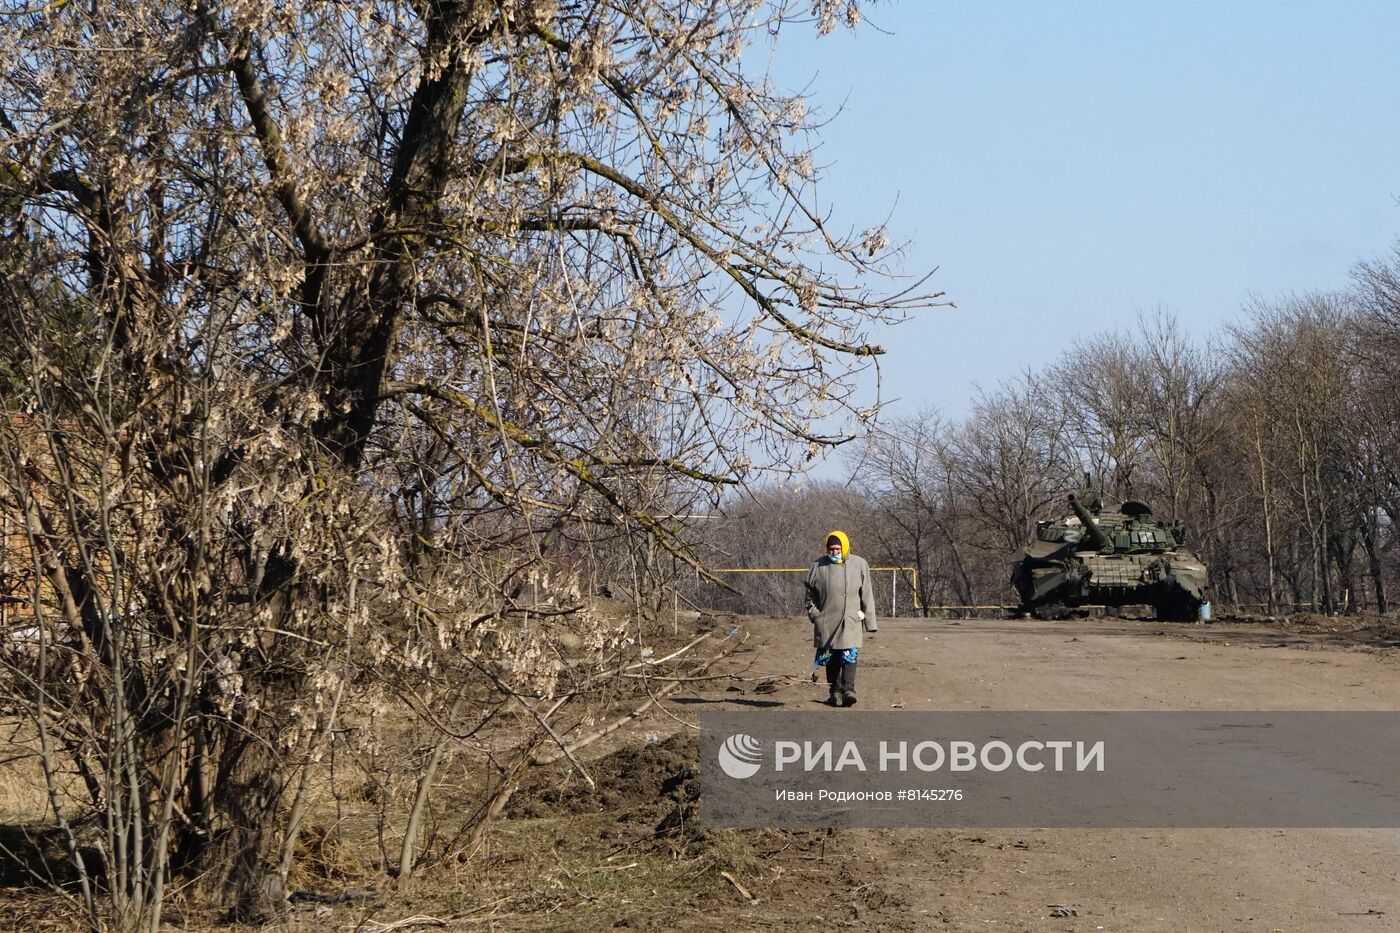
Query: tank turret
[[1093, 535]]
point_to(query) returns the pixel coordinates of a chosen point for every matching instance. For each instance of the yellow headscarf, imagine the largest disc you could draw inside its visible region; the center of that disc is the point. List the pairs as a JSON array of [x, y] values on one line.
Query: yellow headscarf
[[845, 542]]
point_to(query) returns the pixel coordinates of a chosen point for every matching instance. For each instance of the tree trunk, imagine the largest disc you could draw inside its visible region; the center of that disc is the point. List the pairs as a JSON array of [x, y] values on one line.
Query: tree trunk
[[1373, 562], [423, 792], [1343, 547], [248, 798], [1269, 542]]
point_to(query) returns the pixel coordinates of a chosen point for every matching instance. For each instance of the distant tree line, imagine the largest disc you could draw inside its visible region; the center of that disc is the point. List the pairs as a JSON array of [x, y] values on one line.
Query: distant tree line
[[1273, 442]]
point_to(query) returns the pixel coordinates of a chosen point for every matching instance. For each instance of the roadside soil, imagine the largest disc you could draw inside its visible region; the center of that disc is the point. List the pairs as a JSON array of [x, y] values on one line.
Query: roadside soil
[[629, 852], [1179, 880]]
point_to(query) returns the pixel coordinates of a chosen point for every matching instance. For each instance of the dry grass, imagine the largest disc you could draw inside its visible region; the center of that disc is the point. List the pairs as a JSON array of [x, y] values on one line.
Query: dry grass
[[23, 793], [629, 854]]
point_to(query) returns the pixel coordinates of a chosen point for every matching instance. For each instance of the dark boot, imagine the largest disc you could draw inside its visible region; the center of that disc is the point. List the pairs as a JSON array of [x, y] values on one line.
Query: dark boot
[[833, 679], [846, 684]]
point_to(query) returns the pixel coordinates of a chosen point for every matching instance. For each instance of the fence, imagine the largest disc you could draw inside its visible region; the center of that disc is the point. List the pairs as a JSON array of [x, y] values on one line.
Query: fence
[[786, 604]]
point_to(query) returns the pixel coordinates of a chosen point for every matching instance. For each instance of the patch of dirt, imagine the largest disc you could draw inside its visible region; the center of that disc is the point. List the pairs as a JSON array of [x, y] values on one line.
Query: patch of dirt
[[1362, 630], [38, 856], [1366, 632], [638, 777], [644, 811]]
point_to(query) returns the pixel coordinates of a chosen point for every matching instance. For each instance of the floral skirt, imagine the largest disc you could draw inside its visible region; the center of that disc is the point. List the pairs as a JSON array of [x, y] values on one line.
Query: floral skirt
[[847, 655]]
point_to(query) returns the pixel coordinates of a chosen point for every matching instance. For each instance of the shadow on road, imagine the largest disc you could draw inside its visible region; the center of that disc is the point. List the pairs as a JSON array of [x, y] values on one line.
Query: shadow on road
[[737, 701]]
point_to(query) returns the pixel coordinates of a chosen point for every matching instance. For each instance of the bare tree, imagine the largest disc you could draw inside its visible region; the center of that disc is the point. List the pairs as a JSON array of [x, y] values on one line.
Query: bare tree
[[908, 470], [1012, 461], [376, 306], [1098, 384], [1290, 368], [1375, 407], [782, 527]]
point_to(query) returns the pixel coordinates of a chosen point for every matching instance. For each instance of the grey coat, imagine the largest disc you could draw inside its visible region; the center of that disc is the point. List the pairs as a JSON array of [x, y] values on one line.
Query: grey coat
[[836, 594]]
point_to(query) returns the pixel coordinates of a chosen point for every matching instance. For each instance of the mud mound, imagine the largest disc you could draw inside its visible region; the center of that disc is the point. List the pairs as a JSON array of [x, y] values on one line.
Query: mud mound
[[647, 777], [38, 856], [1363, 629]]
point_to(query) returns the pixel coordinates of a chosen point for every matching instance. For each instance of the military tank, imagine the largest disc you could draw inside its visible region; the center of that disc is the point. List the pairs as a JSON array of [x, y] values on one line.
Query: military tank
[[1119, 557]]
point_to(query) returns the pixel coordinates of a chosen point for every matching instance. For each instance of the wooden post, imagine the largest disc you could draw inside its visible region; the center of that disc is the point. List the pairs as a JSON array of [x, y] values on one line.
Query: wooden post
[[894, 591]]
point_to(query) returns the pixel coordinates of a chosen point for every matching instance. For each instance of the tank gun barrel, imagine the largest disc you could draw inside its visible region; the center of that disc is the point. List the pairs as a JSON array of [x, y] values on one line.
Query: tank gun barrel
[[1093, 534]]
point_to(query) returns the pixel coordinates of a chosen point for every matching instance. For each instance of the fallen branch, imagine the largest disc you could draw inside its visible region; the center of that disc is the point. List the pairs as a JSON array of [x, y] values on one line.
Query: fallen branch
[[624, 720], [604, 675], [674, 654], [737, 886], [687, 679], [512, 780], [404, 924]]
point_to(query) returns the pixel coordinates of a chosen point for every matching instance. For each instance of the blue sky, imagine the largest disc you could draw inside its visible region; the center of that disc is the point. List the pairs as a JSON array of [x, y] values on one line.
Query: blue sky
[[1068, 164]]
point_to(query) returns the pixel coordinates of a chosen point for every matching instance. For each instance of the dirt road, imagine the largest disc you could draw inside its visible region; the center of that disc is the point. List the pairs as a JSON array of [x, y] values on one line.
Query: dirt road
[[1128, 880]]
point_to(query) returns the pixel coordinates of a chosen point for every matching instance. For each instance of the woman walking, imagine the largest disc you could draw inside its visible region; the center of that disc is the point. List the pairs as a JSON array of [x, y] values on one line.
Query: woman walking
[[840, 606]]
